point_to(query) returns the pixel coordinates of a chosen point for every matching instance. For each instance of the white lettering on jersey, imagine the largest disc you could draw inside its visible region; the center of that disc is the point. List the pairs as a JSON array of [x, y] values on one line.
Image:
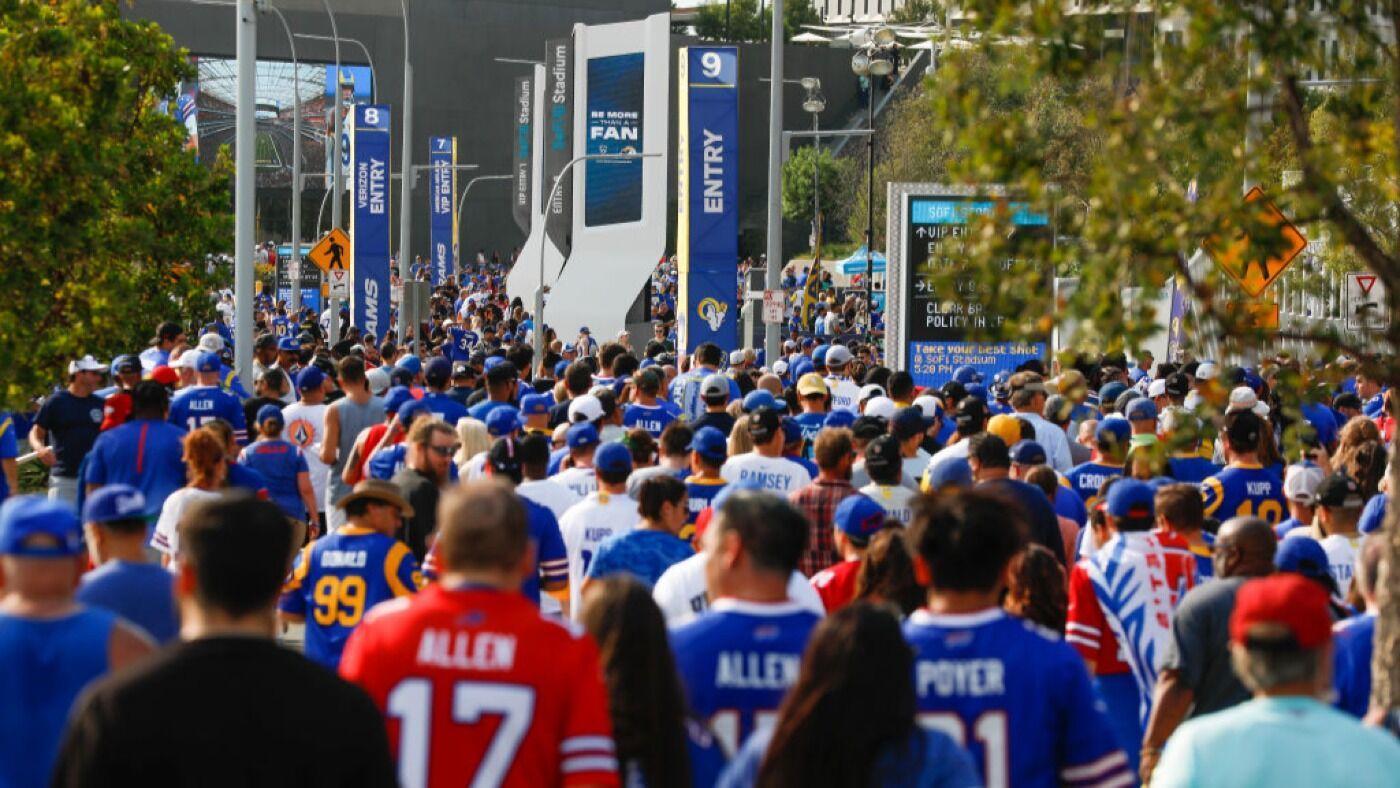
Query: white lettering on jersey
[[464, 651], [748, 670], [349, 559], [967, 678]]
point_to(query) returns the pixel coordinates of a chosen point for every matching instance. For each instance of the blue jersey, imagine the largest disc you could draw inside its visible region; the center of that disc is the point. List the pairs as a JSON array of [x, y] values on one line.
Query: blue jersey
[[1242, 490], [281, 327], [1324, 420], [685, 392], [1192, 468], [279, 462], [341, 576], [1018, 698], [47, 663], [143, 594], [386, 462], [143, 453], [811, 424], [551, 560], [701, 491], [228, 381], [153, 357], [1086, 479], [194, 407], [444, 407], [652, 418], [1354, 643], [1067, 503], [641, 553], [460, 344], [737, 661], [9, 449]]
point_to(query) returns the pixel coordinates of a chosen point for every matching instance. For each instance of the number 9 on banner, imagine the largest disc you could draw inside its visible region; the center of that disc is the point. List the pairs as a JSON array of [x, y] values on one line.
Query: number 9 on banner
[[713, 66]]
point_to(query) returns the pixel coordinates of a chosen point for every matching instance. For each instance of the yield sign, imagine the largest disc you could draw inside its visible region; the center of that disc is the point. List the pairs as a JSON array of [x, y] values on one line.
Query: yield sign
[[332, 252], [1365, 282], [1256, 256]]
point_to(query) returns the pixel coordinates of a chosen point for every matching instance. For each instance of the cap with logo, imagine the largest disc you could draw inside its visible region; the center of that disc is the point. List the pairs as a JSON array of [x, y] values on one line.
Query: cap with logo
[[1339, 491], [35, 527], [1131, 498], [859, 517], [883, 453], [1301, 483], [613, 457], [764, 423], [1028, 453], [207, 361], [582, 435], [534, 405], [710, 444], [971, 412], [502, 421], [503, 456], [126, 364], [438, 372], [396, 398], [967, 374], [289, 345], [113, 502], [585, 407], [310, 379]]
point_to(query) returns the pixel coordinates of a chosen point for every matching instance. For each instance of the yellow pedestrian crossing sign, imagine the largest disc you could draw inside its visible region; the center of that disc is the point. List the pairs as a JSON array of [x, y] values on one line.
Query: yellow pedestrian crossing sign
[[331, 252]]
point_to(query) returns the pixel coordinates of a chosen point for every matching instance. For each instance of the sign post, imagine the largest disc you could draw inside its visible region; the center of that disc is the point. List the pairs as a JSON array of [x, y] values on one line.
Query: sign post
[[930, 333], [369, 220]]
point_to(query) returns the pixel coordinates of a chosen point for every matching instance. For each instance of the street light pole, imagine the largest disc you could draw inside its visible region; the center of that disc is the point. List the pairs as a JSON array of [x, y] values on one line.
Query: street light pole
[[544, 209], [870, 207], [245, 133], [337, 169], [369, 59], [771, 278], [462, 200], [294, 265], [405, 166]]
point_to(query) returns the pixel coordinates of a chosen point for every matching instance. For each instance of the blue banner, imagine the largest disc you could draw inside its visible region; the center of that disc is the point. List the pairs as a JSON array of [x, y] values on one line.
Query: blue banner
[[613, 189], [442, 218], [369, 219], [1176, 329], [708, 203]]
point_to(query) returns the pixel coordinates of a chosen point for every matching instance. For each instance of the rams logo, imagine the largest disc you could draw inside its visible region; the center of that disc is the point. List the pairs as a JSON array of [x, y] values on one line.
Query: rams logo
[[713, 312]]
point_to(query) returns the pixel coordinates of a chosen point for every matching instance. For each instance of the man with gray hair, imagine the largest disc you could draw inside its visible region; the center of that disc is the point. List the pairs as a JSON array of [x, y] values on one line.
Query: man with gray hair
[[1281, 648]]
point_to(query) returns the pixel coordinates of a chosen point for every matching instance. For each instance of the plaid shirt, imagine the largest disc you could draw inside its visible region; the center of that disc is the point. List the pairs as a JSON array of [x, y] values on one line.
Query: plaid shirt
[[818, 501]]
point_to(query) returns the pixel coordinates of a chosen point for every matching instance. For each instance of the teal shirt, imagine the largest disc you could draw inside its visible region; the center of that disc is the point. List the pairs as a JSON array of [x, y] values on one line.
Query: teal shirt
[[1278, 741]]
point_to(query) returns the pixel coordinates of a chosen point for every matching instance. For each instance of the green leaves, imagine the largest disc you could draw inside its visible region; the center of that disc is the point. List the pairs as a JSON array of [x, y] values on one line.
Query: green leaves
[[101, 209], [799, 181]]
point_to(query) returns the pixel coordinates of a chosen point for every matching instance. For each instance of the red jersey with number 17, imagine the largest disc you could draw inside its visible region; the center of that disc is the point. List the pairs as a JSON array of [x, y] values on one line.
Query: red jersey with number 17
[[478, 688]]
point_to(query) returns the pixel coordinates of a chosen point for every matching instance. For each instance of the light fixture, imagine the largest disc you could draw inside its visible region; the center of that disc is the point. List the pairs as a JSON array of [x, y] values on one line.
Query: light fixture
[[811, 83], [884, 37], [860, 63], [882, 64], [814, 105]]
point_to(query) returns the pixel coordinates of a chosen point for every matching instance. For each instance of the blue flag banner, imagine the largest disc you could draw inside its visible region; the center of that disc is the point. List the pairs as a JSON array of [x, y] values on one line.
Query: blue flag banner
[[369, 219], [614, 125], [707, 223], [442, 218], [1176, 330]]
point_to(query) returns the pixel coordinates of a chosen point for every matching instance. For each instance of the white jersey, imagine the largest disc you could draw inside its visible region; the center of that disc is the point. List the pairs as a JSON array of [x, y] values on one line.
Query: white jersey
[[845, 394], [306, 429], [897, 499], [550, 494], [774, 474], [681, 595], [584, 527], [915, 466], [166, 537], [581, 481]]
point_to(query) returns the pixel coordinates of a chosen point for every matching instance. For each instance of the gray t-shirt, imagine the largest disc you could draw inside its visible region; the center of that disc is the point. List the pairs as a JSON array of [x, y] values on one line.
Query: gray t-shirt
[[354, 419], [1200, 646]]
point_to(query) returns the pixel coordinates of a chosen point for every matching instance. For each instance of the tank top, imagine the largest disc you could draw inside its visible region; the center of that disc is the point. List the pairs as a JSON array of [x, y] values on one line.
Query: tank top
[[47, 662], [354, 419]]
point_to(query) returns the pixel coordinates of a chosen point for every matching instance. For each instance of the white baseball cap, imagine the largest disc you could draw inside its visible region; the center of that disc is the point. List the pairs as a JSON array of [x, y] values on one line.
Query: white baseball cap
[[378, 380], [837, 356], [1157, 388], [880, 406], [870, 390], [585, 408], [1207, 370], [85, 364], [736, 357], [930, 405], [211, 343], [1300, 483], [780, 367], [1193, 400], [1242, 398], [714, 385], [187, 360]]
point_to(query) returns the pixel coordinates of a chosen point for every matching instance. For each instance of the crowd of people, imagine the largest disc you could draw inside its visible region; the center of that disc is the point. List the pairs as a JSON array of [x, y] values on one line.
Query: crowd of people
[[622, 563]]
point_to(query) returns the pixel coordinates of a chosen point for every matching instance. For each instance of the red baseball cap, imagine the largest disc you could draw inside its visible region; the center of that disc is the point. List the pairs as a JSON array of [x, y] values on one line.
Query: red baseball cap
[[116, 409], [1288, 600], [165, 376]]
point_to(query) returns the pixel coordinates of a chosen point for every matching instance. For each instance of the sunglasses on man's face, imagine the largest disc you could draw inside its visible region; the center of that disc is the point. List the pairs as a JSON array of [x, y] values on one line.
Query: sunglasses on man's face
[[444, 451]]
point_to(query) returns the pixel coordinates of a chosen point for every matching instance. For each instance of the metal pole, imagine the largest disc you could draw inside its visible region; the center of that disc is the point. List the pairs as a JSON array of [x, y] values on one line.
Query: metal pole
[[870, 208], [294, 265], [245, 133], [321, 214], [538, 313], [337, 170], [369, 60], [462, 200], [406, 184], [816, 190], [771, 278]]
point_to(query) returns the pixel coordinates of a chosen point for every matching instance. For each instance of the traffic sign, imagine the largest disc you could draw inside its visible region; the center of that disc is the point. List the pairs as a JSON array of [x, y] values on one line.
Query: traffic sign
[[1256, 261], [339, 282], [773, 307], [1258, 315], [331, 252], [1366, 303]]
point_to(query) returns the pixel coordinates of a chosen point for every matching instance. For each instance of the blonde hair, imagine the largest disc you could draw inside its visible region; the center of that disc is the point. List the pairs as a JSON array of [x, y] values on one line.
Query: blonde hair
[[475, 439], [740, 442]]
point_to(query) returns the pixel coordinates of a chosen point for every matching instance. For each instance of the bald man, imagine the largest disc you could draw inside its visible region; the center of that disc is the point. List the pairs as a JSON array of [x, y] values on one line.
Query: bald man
[[1196, 677]]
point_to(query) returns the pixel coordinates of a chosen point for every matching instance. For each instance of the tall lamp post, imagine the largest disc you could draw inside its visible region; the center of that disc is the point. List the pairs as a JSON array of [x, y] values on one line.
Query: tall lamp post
[[337, 167], [814, 103], [245, 134], [405, 166], [544, 209], [462, 200], [873, 60], [369, 60]]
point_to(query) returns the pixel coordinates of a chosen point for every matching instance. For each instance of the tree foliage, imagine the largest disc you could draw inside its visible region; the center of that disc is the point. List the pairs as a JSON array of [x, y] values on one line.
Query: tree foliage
[[918, 11], [101, 208], [747, 23], [808, 170], [1231, 98]]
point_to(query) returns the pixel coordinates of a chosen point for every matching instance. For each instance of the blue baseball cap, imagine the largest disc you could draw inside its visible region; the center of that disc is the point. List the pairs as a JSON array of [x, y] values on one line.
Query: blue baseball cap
[[560, 368], [859, 517], [976, 390], [289, 345], [581, 435], [412, 409], [967, 374], [953, 471], [502, 421], [1111, 392], [1028, 453], [438, 371], [792, 431], [491, 363], [534, 405], [819, 355], [1305, 556], [1130, 498], [25, 517], [568, 348], [1141, 409], [310, 379], [208, 362], [761, 398], [395, 398], [911, 421], [269, 412], [710, 443], [838, 418], [808, 342], [126, 363], [800, 367], [410, 363], [114, 502], [613, 457], [583, 330], [1115, 430]]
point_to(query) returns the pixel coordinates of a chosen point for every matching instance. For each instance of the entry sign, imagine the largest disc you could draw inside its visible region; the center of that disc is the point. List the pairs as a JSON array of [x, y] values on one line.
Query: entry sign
[[1366, 303], [340, 282], [332, 252], [773, 307], [1255, 262]]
